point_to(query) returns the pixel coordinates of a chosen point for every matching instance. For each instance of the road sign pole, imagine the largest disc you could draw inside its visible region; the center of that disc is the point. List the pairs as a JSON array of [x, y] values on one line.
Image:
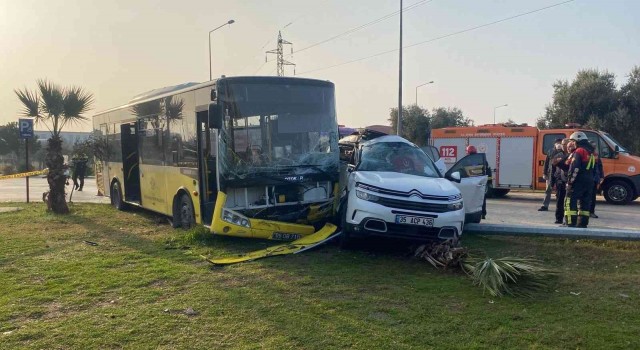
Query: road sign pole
[[26, 146], [26, 132]]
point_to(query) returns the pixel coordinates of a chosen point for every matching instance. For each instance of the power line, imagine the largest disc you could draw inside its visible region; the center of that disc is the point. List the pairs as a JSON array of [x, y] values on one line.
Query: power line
[[352, 30], [441, 37]]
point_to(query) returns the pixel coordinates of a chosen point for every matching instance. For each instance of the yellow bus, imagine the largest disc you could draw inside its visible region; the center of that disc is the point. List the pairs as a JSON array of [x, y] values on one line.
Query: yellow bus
[[243, 156]]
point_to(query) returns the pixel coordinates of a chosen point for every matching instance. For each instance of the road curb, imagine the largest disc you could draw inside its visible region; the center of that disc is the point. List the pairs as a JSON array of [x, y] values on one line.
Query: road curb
[[558, 232]]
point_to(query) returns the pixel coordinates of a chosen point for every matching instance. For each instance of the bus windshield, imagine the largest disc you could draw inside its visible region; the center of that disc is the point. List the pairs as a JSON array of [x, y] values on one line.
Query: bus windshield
[[286, 127], [613, 141]]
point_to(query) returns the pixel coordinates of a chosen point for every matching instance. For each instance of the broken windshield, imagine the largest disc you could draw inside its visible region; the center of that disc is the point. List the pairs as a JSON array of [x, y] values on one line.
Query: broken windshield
[[271, 128], [396, 157]]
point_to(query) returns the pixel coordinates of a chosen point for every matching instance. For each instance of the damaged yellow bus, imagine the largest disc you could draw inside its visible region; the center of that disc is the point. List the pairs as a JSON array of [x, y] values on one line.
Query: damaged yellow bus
[[243, 156]]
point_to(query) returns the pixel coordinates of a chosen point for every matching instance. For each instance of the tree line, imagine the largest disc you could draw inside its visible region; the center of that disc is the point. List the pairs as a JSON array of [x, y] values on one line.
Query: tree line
[[417, 122], [594, 100]]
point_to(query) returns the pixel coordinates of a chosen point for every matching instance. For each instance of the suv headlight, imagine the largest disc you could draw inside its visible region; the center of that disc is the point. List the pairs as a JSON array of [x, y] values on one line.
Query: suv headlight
[[367, 196], [455, 206], [232, 217]]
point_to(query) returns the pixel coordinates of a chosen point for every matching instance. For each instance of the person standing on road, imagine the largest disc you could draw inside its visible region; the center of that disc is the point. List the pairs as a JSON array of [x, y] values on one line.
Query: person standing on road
[[560, 177], [580, 181], [598, 177], [79, 170], [472, 150], [549, 170]]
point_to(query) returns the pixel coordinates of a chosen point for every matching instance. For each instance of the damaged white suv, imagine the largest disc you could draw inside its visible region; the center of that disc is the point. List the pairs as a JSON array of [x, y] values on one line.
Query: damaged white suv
[[395, 190]]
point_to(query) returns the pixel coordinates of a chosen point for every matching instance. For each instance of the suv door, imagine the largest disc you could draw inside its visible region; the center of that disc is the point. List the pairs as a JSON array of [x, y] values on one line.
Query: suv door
[[473, 181], [434, 154]]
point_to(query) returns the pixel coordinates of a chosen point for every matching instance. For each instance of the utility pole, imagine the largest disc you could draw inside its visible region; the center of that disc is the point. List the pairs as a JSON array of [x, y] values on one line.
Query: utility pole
[[400, 79], [281, 62]]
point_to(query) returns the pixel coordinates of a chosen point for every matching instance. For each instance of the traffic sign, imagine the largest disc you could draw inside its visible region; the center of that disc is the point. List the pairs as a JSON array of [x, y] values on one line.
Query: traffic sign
[[26, 128]]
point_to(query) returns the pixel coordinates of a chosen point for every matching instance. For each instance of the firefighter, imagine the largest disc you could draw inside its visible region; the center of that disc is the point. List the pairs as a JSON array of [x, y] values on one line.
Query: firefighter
[[580, 181], [472, 150]]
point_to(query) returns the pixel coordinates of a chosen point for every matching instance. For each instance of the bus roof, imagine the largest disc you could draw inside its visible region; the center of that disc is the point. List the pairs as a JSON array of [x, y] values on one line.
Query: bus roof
[[178, 89]]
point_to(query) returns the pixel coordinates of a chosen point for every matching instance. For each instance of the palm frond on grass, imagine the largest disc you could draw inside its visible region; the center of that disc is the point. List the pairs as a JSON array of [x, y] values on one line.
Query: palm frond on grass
[[509, 275], [443, 255]]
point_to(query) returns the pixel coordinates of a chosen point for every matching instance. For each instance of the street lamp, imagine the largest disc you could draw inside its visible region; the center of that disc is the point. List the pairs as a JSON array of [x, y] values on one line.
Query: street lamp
[[494, 112], [431, 82], [230, 22], [399, 126]]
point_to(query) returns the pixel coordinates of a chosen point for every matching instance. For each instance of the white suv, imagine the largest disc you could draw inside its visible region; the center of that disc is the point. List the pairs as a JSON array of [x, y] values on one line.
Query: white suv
[[395, 190]]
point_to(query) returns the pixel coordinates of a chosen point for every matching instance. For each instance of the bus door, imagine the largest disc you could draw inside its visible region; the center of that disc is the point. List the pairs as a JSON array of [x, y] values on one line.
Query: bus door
[[207, 152], [130, 162]]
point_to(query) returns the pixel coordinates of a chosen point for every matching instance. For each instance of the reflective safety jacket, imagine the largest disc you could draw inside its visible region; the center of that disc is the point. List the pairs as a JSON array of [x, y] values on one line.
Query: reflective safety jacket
[[582, 166]]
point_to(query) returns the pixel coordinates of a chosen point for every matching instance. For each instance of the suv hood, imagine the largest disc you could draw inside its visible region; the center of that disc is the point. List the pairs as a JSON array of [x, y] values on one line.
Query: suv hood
[[406, 183]]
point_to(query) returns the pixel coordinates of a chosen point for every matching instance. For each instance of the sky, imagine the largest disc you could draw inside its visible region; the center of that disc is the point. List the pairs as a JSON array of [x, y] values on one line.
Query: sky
[[120, 48]]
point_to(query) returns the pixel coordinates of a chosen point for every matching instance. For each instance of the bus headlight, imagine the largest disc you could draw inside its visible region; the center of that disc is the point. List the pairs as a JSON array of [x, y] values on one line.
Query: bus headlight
[[232, 217]]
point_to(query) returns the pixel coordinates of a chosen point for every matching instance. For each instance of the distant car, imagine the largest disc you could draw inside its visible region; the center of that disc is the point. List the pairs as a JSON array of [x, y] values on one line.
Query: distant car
[[395, 190]]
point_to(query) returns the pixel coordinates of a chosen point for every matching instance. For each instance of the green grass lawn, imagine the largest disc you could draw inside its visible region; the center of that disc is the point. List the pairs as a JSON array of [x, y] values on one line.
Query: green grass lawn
[[132, 290]]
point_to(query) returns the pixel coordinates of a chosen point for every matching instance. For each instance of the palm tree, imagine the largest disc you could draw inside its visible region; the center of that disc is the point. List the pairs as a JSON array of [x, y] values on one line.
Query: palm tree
[[55, 107]]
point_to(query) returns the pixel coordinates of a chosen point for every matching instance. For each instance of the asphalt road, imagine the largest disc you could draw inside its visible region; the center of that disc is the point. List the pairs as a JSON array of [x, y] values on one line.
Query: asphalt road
[[14, 190], [517, 208], [521, 208]]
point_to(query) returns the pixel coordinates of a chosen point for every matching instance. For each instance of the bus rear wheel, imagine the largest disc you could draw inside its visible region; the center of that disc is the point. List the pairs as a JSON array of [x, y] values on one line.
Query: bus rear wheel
[[116, 196], [183, 215]]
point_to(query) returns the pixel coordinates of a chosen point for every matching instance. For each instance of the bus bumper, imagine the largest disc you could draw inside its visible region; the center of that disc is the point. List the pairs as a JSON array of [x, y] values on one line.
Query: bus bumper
[[229, 223]]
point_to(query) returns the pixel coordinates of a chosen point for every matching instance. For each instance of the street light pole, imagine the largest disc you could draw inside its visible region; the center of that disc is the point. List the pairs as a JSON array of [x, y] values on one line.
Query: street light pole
[[431, 82], [494, 112], [400, 79], [230, 22]]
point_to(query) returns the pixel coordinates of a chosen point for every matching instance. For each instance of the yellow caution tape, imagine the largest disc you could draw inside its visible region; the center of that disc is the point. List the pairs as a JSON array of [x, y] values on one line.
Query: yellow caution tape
[[31, 173], [294, 247]]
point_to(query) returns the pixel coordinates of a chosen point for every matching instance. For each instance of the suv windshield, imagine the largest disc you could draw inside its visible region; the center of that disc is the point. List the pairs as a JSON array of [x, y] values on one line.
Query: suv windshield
[[278, 128], [398, 157]]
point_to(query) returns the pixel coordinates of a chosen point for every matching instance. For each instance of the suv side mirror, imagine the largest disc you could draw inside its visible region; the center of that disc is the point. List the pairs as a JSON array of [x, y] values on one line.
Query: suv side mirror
[[616, 152], [455, 177], [215, 116]]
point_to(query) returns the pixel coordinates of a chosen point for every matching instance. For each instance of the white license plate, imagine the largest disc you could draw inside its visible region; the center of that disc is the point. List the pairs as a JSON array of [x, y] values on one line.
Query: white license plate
[[414, 220]]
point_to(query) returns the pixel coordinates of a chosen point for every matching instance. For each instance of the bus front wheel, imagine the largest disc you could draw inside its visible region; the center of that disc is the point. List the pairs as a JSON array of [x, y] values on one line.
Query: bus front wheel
[[183, 215]]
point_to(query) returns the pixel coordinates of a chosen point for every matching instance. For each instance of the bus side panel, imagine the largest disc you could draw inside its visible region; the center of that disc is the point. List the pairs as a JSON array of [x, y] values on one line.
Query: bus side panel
[[186, 179], [153, 188], [516, 162], [458, 143]]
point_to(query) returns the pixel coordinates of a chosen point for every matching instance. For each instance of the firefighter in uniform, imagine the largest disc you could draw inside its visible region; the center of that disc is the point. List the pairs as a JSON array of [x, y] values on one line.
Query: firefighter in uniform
[[580, 181]]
